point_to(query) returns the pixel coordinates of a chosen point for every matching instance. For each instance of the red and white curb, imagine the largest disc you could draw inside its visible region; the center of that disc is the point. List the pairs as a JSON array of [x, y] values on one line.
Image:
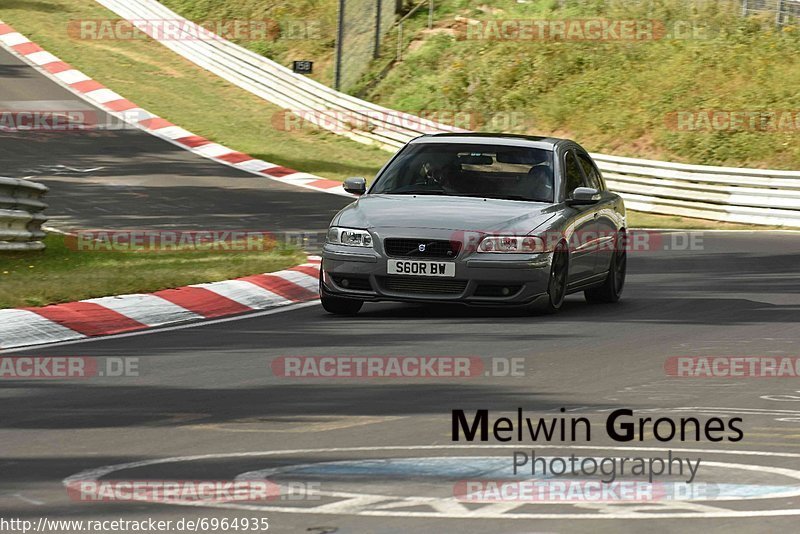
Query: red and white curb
[[116, 105], [21, 327]]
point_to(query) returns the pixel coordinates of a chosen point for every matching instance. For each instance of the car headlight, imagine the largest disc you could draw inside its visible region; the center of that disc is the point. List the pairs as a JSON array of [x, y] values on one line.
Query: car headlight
[[509, 244], [349, 237]]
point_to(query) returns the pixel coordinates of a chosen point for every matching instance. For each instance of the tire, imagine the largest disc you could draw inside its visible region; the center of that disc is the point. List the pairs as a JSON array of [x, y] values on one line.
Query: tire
[[611, 290], [338, 305], [557, 283]]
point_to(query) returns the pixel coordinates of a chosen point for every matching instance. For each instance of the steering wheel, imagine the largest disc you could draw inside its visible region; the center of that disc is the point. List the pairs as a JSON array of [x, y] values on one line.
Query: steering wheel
[[432, 174]]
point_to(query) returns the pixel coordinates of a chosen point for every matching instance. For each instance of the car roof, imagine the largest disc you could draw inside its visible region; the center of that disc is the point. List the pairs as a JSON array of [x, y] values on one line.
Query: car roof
[[533, 141]]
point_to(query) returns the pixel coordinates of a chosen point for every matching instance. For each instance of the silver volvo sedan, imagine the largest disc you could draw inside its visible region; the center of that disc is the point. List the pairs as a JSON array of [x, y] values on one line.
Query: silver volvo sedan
[[478, 219]]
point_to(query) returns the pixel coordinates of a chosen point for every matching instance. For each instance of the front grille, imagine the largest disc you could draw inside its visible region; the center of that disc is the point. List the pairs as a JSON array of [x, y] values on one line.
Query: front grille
[[352, 282], [429, 286], [409, 248]]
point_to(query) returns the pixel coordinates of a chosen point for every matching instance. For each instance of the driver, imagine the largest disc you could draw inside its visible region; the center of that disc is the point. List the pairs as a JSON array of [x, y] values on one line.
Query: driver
[[443, 173]]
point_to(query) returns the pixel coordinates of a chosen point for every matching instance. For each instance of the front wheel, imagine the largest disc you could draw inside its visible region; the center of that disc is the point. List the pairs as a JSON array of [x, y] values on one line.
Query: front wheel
[[340, 306], [611, 290], [557, 284]]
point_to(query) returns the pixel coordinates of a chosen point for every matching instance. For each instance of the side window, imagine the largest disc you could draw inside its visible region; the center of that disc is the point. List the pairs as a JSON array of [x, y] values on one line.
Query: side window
[[592, 175], [573, 174]]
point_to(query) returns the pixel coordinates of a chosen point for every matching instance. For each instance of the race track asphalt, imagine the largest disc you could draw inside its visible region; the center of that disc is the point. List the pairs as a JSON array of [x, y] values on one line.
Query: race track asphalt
[[129, 179], [209, 390]]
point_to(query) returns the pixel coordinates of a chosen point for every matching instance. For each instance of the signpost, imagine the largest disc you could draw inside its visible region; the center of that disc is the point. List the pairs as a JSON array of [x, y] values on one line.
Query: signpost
[[303, 67]]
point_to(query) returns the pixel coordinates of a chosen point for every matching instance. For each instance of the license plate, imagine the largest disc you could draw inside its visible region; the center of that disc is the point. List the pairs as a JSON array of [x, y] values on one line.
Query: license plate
[[422, 268]]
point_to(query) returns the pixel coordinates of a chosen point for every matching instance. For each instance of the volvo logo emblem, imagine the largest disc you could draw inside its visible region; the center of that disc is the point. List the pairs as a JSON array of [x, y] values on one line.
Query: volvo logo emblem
[[422, 247]]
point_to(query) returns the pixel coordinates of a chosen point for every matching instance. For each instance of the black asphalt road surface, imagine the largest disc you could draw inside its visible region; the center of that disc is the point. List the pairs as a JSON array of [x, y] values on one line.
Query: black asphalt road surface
[[376, 455], [129, 179], [210, 390]]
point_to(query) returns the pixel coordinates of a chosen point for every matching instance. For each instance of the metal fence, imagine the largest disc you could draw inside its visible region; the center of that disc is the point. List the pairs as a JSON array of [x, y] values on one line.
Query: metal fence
[[724, 194], [362, 26], [21, 214], [783, 11]]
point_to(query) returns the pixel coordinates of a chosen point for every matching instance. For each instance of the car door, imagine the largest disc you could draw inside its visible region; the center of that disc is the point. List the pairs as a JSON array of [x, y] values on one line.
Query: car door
[[605, 213], [582, 225]]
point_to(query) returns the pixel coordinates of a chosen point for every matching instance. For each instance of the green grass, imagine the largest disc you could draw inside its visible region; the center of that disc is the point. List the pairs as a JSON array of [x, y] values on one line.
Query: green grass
[[166, 84], [62, 274], [432, 77], [613, 97], [317, 18]]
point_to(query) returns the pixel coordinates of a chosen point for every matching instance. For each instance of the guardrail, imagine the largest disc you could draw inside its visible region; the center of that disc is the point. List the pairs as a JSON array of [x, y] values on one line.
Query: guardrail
[[274, 82], [718, 193], [21, 216], [750, 196]]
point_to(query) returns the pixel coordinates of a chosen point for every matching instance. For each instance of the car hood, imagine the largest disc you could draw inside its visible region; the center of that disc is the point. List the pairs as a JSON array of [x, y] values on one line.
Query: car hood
[[445, 213]]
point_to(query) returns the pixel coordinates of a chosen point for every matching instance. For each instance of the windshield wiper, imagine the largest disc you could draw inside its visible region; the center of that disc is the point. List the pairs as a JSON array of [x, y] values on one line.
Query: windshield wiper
[[519, 197], [417, 192], [504, 197]]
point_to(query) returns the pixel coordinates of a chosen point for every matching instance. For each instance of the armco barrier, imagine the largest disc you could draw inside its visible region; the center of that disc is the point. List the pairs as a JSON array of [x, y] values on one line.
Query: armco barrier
[[21, 216], [119, 107], [717, 193], [272, 81]]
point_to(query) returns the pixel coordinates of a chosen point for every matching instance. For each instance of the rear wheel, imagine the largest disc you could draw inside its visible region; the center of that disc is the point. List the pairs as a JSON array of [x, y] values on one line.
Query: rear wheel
[[338, 305], [557, 284], [611, 290]]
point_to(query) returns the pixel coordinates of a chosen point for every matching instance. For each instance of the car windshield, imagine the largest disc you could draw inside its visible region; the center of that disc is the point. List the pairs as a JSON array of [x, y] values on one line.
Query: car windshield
[[471, 170]]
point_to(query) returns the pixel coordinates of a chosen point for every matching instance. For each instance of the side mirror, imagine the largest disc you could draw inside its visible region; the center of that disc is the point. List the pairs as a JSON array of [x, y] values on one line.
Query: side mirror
[[355, 185], [583, 196]]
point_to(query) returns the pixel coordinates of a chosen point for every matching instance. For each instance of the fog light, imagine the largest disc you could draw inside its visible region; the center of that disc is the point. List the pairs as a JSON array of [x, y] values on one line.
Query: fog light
[[506, 291], [345, 282]]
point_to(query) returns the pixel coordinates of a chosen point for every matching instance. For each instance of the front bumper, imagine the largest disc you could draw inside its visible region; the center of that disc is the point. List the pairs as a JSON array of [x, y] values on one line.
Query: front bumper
[[480, 279]]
